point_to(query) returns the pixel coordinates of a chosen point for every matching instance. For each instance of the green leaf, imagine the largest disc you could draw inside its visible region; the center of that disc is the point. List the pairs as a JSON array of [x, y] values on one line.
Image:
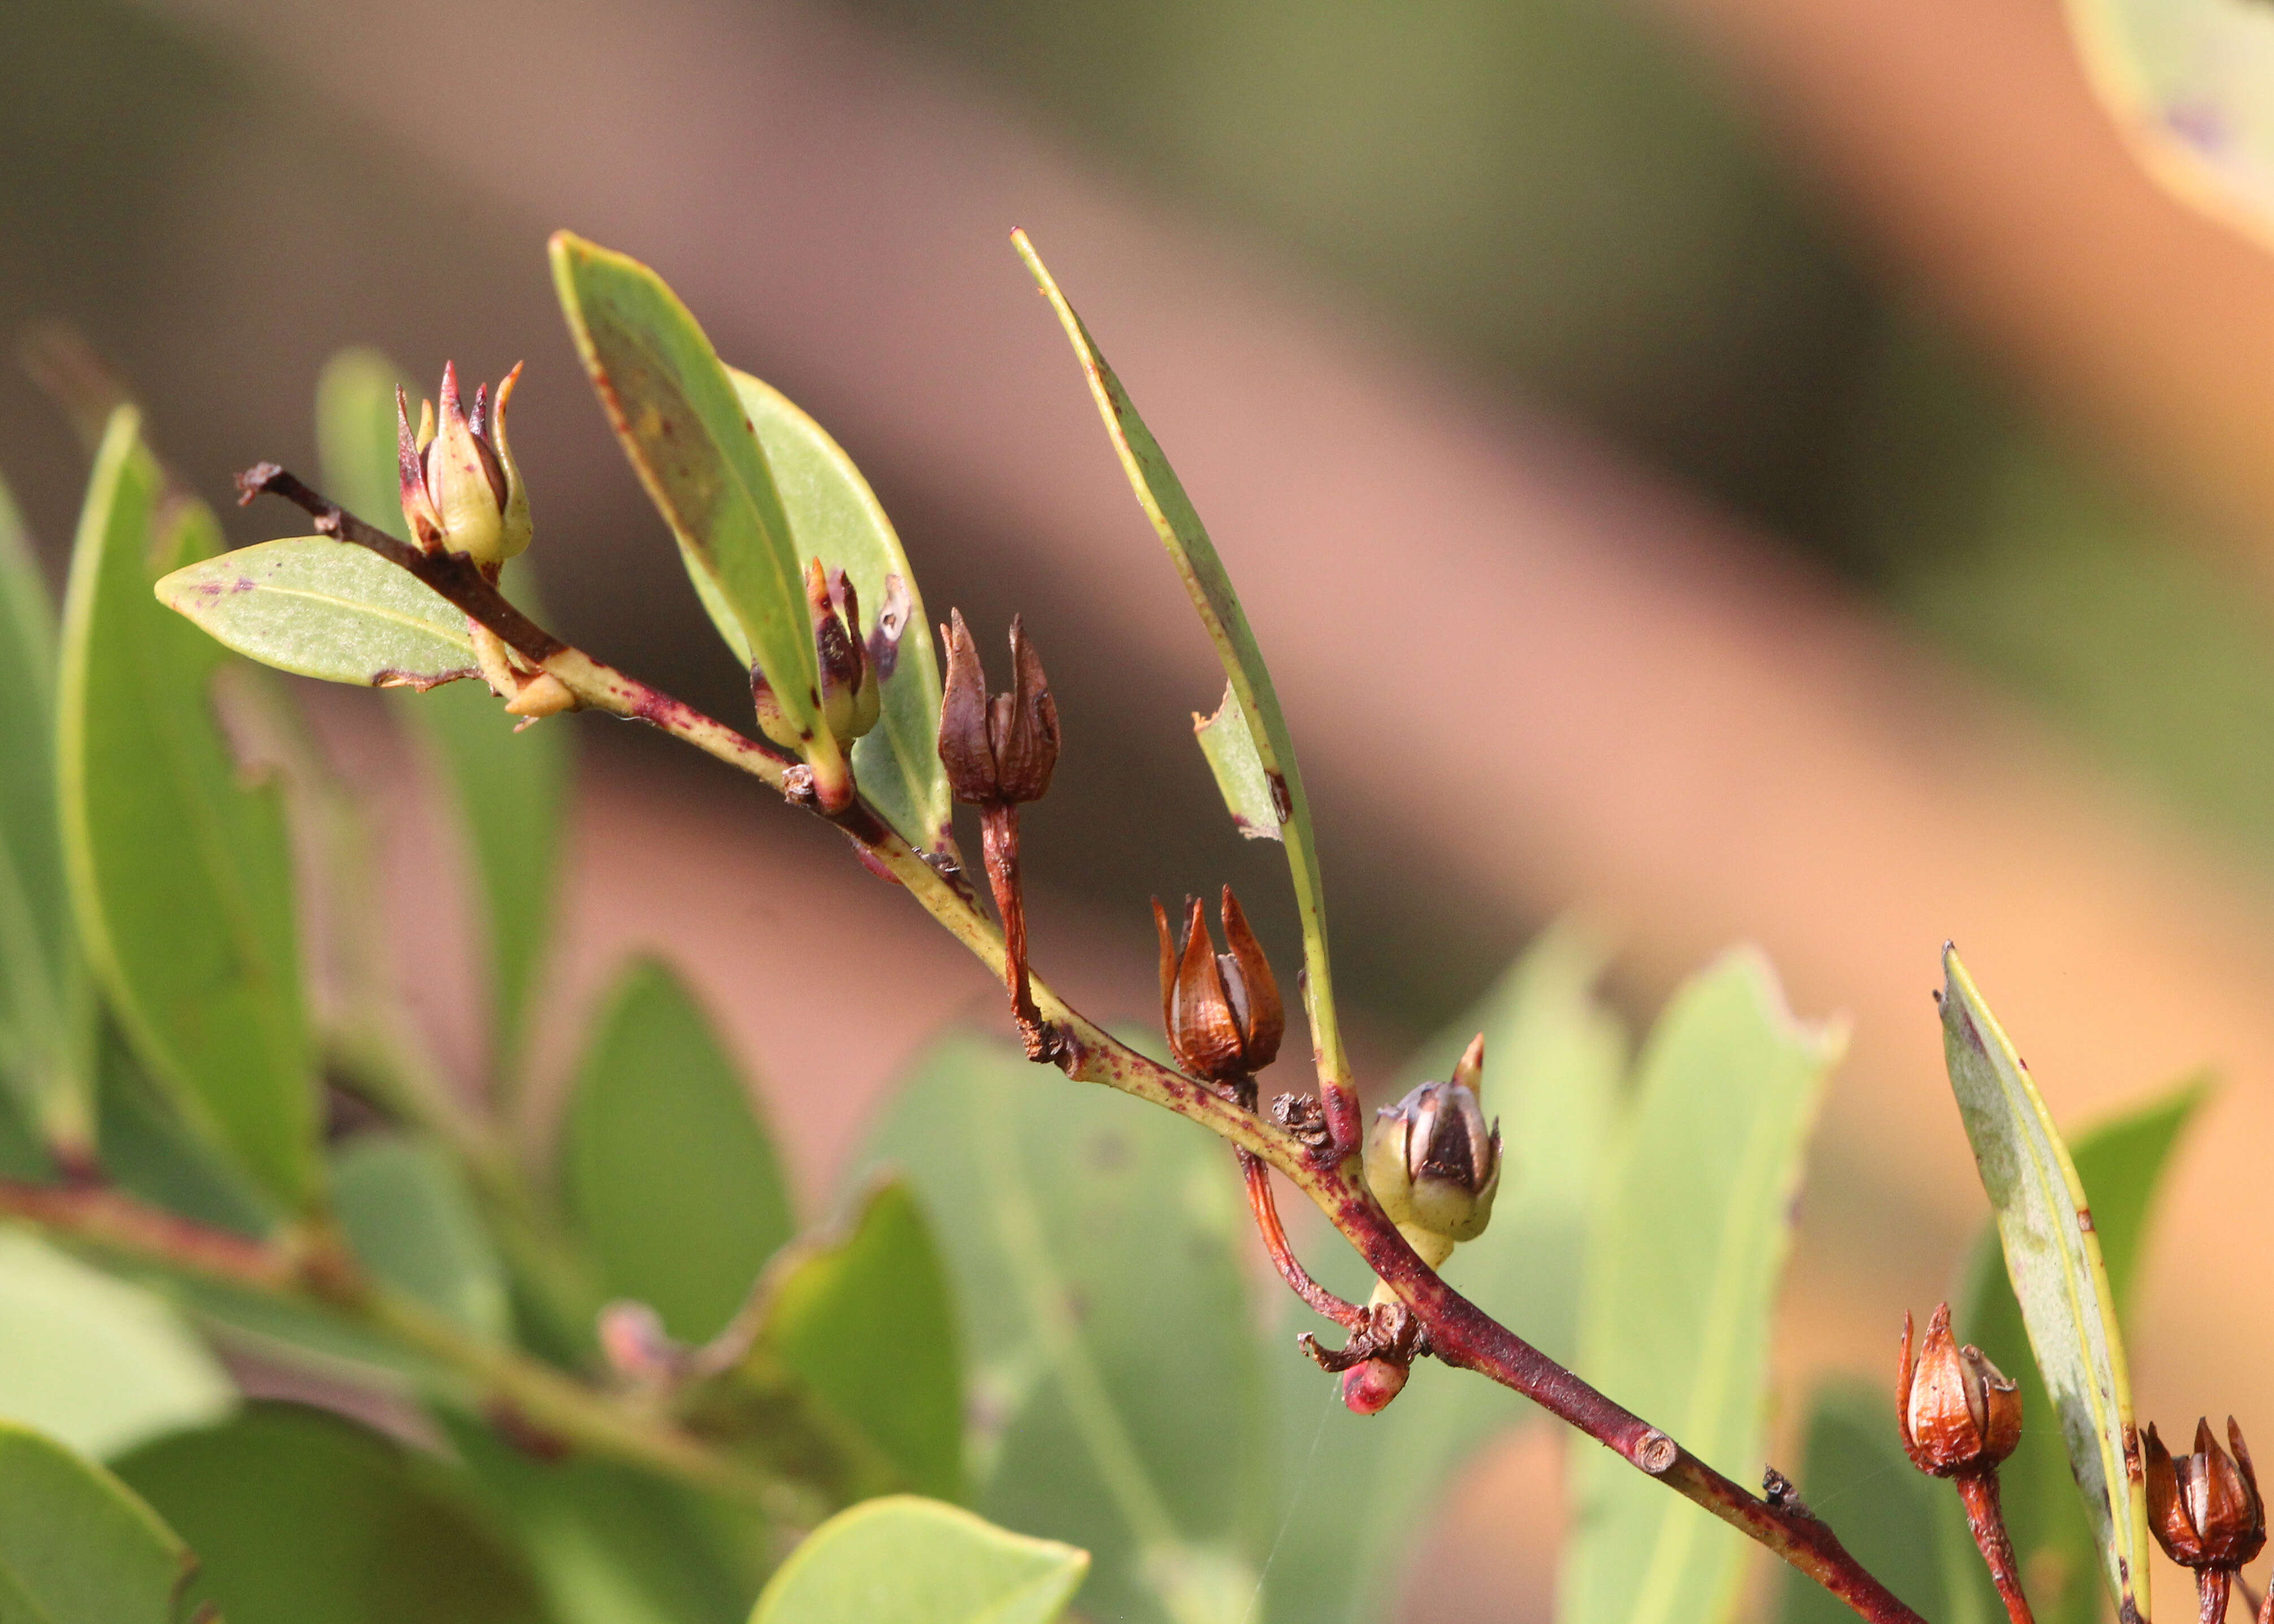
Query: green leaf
[[46, 1011], [2052, 1258], [1077, 1223], [299, 1517], [2180, 82], [865, 1325], [670, 1177], [511, 786], [180, 873], [1902, 1525], [834, 516], [76, 1545], [1229, 746], [409, 1219], [322, 608], [93, 1361], [1553, 1061], [1683, 1261], [905, 1560], [1161, 495], [611, 1545], [2119, 1164], [687, 434]]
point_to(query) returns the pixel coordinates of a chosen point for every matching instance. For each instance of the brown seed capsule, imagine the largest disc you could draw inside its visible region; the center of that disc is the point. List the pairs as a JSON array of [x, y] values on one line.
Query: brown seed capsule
[[1957, 1413], [1221, 1010], [2204, 1506], [1002, 749], [461, 491]]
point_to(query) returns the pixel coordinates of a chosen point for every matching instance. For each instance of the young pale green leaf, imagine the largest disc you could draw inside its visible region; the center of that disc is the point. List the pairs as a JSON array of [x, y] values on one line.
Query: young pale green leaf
[[1554, 1058], [905, 1561], [835, 518], [409, 1219], [670, 1177], [2173, 77], [2119, 1164], [46, 1009], [1161, 495], [180, 873], [863, 1325], [321, 608], [610, 1544], [1077, 1222], [1686, 1250], [1229, 746], [93, 1361], [299, 1517], [2053, 1260], [511, 785], [689, 438], [76, 1546], [1903, 1526]]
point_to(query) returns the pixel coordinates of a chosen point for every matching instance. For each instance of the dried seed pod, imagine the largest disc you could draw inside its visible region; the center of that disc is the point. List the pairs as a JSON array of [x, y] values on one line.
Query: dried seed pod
[[1001, 750], [1956, 1411], [1221, 1010], [2204, 1506]]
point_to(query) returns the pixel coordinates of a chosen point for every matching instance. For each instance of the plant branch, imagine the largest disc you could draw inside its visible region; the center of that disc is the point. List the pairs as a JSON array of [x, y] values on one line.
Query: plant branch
[[1459, 1332], [319, 1273]]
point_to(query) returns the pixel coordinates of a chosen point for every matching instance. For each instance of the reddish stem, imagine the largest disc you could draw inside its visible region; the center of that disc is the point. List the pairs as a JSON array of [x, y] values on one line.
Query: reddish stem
[[102, 1215], [1265, 1205], [1987, 1520], [2212, 1586], [998, 835]]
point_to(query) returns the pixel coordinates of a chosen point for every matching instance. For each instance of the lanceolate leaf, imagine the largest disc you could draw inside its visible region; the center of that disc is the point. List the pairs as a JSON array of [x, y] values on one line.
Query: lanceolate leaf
[[835, 518], [45, 1009], [2053, 1260], [180, 872], [321, 608], [76, 1546], [511, 786], [1688, 1246], [863, 1326], [669, 1173], [905, 1561], [1161, 495], [2119, 1164], [687, 434]]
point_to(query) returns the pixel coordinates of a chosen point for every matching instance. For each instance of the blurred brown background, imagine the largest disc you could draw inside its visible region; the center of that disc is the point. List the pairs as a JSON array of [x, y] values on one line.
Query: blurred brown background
[[1745, 468]]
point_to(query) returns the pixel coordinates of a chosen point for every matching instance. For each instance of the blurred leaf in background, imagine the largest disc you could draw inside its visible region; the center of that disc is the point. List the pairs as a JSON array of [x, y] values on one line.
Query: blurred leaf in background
[[1685, 1258], [76, 1545]]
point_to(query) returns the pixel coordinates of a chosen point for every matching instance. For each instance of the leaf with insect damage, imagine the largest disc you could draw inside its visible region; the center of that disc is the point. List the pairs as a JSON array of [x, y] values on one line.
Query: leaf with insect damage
[[2059, 1277], [684, 426]]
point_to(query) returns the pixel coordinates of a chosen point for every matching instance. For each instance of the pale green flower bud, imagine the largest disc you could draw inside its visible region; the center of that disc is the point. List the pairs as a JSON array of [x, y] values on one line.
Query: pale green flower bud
[[460, 489], [1433, 1163]]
